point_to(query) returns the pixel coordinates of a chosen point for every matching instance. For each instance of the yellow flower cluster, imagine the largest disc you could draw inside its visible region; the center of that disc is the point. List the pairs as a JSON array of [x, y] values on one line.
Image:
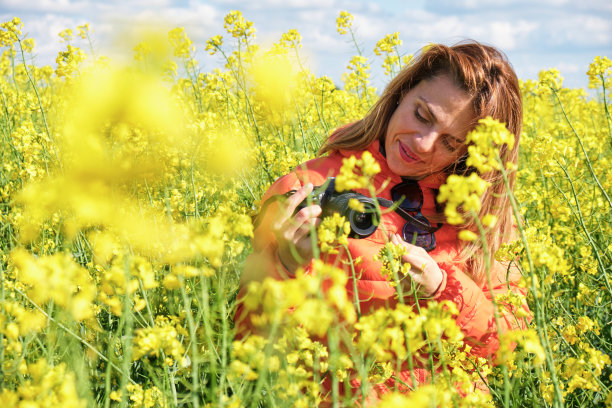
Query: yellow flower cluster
[[140, 398], [24, 322], [526, 341], [462, 192], [333, 233], [357, 173], [389, 47], [237, 26], [484, 144], [358, 76], [402, 332], [394, 269], [161, 340], [344, 22], [126, 197], [600, 72], [430, 395], [294, 360], [58, 279], [183, 46], [45, 386], [311, 308], [10, 32]]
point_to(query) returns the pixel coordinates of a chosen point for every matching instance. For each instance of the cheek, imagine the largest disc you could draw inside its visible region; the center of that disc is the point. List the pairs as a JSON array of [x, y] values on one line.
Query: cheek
[[452, 158]]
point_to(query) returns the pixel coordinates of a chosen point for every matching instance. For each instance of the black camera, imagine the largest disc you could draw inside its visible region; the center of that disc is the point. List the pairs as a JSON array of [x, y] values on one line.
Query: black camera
[[363, 224]]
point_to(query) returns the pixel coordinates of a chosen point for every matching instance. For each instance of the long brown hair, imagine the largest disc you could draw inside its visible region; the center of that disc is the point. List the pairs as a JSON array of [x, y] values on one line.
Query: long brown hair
[[485, 74]]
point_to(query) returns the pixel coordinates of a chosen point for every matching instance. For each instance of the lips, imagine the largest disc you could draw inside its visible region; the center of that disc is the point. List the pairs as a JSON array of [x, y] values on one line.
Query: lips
[[407, 154]]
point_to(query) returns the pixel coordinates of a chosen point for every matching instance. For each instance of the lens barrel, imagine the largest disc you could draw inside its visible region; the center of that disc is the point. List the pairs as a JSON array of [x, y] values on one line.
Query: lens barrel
[[363, 224]]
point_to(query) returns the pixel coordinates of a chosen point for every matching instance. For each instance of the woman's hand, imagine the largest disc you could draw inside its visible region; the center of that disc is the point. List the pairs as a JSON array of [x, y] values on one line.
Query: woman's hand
[[293, 231], [424, 270]]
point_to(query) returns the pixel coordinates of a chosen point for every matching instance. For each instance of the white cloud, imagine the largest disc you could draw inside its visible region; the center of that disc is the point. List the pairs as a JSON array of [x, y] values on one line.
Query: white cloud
[[370, 27], [529, 30], [66, 7], [474, 5], [579, 30], [569, 68]]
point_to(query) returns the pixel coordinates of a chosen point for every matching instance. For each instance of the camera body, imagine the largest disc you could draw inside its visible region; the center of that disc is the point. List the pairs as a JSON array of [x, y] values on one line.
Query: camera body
[[363, 224]]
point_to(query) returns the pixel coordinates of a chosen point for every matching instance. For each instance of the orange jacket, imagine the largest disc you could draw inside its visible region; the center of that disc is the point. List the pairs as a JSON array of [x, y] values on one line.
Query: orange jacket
[[476, 310]]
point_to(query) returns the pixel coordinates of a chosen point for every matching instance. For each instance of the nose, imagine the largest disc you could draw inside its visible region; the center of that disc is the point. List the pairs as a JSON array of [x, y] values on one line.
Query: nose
[[425, 141]]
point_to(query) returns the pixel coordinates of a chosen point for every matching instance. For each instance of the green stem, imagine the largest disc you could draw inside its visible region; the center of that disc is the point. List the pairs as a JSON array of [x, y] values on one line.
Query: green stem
[[539, 311], [586, 156], [195, 360], [127, 335], [42, 111], [580, 219], [487, 257], [70, 332]]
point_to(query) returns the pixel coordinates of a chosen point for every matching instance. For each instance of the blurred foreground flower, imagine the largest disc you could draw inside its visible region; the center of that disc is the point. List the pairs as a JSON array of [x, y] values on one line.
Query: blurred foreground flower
[[124, 133], [273, 80], [58, 279]]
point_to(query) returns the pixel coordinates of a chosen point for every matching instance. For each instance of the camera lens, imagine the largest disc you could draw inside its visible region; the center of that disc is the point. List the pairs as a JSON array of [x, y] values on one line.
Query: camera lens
[[362, 220], [362, 223]]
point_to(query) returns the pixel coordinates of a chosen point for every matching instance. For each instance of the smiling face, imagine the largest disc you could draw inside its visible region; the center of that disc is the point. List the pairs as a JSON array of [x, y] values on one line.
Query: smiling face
[[426, 133]]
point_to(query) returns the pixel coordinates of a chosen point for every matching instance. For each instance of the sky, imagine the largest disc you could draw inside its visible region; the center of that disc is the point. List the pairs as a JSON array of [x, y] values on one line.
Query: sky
[[534, 34]]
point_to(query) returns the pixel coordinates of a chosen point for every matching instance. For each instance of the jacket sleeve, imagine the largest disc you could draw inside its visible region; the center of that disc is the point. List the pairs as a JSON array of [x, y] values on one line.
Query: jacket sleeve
[[476, 308], [264, 261]]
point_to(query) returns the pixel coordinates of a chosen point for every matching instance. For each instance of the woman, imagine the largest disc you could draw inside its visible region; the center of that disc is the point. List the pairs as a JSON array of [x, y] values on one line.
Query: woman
[[416, 131]]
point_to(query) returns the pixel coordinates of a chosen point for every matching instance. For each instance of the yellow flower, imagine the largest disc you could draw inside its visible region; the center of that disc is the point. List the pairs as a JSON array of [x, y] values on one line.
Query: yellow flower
[[344, 22], [461, 191], [66, 35], [84, 30], [489, 220], [349, 178], [333, 232], [467, 235], [237, 26], [484, 143], [183, 46], [58, 278], [527, 342], [214, 44], [387, 44]]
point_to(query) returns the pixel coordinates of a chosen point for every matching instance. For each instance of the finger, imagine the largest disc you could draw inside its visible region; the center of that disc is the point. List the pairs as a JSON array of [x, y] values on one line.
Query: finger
[[302, 219], [414, 255], [295, 199], [302, 233], [417, 264], [305, 215], [286, 211]]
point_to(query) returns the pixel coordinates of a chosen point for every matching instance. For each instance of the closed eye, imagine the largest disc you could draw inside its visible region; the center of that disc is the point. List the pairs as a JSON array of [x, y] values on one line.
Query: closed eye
[[448, 145], [420, 117]]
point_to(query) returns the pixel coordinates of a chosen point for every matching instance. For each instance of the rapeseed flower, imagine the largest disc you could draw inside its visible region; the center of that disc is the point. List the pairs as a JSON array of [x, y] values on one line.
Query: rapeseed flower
[[127, 221], [464, 192], [344, 22]]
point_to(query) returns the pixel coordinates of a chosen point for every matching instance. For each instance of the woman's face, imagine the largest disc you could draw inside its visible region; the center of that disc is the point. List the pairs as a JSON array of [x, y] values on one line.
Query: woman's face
[[427, 131]]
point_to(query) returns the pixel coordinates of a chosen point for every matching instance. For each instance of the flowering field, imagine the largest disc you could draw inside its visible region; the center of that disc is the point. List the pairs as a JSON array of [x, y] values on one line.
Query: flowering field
[[127, 193]]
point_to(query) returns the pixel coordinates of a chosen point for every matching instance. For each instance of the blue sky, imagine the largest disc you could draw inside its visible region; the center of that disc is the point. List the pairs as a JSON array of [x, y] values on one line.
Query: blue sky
[[535, 34]]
